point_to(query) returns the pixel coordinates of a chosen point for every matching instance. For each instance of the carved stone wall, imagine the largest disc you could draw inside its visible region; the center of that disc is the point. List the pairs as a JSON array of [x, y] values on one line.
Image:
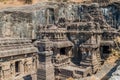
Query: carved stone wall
[[18, 60], [27, 67]]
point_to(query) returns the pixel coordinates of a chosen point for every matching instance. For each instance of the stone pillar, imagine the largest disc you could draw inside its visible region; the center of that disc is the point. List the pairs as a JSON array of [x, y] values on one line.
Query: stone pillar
[[22, 67], [45, 67], [14, 69]]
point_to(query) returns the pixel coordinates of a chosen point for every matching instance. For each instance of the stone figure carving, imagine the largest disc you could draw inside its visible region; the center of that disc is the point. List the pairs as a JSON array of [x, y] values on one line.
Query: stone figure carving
[[7, 30]]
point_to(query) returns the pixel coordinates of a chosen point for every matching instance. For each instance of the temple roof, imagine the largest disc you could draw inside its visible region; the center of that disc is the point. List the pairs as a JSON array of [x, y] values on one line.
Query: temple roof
[[12, 47], [62, 44], [53, 27]]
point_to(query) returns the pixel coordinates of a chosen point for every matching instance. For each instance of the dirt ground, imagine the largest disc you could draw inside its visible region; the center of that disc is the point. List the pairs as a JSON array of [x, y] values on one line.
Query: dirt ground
[[17, 3], [10, 4]]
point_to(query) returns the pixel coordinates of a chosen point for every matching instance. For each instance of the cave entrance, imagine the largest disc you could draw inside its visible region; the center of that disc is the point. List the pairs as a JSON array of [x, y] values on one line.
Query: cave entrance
[[62, 51]]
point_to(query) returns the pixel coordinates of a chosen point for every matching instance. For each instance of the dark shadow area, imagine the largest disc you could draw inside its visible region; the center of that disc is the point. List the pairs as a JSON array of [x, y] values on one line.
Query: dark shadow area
[[105, 51], [62, 51], [88, 75], [78, 57], [28, 77], [17, 66], [76, 61]]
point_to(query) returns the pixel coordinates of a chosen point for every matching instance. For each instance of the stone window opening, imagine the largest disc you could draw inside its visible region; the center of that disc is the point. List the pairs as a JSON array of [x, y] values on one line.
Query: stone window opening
[[17, 66], [106, 50], [62, 51]]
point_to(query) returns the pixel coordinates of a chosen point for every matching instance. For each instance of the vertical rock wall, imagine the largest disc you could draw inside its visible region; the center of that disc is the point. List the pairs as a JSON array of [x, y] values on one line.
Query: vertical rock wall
[[25, 21], [15, 24], [112, 15]]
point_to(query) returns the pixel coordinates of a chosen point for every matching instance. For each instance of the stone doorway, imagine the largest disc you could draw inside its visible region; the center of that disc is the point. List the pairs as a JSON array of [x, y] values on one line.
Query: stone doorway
[[17, 66], [105, 51], [62, 51]]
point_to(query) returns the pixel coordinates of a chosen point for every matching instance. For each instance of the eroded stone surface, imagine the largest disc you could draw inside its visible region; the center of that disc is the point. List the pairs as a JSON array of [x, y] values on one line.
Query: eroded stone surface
[[73, 39]]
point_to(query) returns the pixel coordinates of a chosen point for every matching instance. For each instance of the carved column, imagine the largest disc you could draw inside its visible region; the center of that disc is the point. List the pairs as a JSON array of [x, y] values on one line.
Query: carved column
[[45, 67], [14, 69], [22, 67]]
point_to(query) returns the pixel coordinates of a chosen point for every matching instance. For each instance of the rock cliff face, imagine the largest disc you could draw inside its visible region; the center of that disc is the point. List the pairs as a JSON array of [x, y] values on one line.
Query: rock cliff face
[[15, 24], [24, 21]]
